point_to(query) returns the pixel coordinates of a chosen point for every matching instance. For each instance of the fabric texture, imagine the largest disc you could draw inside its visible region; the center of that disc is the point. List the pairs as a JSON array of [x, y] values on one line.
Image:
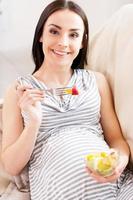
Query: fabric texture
[[70, 129]]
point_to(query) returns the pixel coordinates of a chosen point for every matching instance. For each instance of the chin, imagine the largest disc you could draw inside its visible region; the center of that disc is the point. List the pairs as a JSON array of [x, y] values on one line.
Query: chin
[[63, 63]]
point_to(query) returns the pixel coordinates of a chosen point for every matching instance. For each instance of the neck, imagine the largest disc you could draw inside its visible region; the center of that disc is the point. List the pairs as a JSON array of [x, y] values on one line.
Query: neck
[[54, 77]]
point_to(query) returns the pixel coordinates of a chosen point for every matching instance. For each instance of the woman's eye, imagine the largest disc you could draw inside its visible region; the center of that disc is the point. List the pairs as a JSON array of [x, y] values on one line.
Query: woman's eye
[[54, 32], [74, 35]]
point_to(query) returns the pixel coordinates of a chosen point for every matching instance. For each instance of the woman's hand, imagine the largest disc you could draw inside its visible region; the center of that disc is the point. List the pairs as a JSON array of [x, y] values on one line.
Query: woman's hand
[[122, 163], [30, 102]]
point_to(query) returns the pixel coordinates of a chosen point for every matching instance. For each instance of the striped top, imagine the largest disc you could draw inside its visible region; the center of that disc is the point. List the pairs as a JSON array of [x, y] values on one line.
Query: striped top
[[69, 130]]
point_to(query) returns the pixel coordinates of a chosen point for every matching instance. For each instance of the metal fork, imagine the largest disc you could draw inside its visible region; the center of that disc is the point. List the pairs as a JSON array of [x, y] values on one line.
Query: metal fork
[[54, 91], [59, 91]]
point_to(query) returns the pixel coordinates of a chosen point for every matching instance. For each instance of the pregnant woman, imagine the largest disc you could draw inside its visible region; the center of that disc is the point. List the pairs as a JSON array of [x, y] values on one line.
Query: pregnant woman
[[53, 133]]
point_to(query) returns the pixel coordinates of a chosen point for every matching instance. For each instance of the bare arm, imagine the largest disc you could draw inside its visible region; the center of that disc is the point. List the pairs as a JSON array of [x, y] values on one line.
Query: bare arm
[[111, 127], [18, 141], [112, 131]]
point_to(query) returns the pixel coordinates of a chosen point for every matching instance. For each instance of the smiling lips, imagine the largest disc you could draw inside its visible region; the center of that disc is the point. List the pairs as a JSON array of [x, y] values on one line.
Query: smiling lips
[[60, 53]]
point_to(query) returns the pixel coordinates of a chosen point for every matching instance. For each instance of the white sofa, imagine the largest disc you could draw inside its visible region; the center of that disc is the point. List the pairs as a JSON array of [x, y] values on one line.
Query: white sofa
[[111, 52]]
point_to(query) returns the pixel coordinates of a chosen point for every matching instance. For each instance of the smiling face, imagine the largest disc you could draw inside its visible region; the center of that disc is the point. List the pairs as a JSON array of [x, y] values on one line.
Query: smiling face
[[62, 38]]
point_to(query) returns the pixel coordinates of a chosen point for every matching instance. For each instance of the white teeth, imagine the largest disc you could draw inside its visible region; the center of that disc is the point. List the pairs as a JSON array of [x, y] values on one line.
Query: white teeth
[[60, 52]]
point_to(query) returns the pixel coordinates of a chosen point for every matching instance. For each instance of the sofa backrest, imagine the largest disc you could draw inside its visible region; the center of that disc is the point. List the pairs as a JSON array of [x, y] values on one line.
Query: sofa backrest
[[110, 52]]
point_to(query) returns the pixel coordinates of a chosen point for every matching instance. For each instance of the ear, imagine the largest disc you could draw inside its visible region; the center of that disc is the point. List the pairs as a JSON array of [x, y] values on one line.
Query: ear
[[81, 46], [41, 40]]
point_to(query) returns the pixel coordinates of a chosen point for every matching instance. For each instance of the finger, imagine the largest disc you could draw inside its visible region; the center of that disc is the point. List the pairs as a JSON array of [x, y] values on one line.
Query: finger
[[28, 93], [34, 91], [103, 179], [98, 178], [34, 100], [88, 170], [113, 177], [31, 97], [23, 87], [120, 168], [34, 96], [20, 89], [23, 102]]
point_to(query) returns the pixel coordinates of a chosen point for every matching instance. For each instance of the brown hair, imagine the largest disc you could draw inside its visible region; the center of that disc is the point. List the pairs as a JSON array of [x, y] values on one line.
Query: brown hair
[[37, 52]]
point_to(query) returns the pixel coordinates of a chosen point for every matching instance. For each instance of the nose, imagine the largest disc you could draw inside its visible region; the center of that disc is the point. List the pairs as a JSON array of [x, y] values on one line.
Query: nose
[[63, 41]]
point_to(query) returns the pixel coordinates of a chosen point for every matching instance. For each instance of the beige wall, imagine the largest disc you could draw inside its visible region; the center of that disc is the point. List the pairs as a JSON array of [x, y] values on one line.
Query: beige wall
[[17, 23]]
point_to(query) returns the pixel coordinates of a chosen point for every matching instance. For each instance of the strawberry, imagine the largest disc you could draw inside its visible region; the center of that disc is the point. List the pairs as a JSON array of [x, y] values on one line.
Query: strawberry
[[75, 91]]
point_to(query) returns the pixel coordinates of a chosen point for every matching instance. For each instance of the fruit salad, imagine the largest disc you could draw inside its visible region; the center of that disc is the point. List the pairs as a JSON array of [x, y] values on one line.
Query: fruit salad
[[103, 163]]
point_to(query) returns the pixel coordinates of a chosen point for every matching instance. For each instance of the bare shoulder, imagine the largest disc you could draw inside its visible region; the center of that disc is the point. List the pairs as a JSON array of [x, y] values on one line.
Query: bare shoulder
[[12, 118], [101, 82], [104, 87], [100, 77], [11, 89], [11, 97]]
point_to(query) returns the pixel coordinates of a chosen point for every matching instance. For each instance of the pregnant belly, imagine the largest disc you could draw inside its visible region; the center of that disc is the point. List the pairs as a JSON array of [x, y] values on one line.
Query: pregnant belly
[[61, 168], [68, 146]]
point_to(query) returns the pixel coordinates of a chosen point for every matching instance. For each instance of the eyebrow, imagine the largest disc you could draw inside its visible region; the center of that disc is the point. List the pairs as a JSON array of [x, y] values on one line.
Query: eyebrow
[[72, 29]]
